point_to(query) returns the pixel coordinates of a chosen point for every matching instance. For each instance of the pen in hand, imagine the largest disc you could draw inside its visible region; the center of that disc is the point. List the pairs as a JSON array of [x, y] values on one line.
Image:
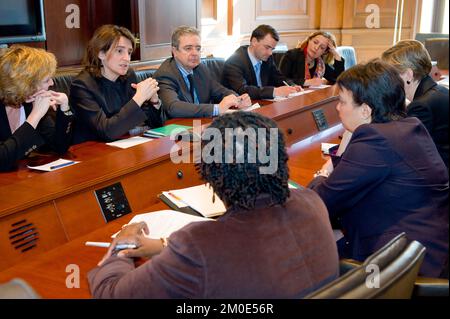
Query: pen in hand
[[106, 245], [285, 83]]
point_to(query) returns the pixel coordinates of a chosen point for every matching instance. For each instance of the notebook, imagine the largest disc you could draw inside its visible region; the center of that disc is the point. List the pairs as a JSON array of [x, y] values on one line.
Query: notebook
[[196, 200], [167, 130]]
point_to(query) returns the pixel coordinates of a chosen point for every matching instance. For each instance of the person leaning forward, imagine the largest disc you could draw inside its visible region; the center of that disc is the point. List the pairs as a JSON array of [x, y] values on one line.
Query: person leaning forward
[[251, 69], [187, 88]]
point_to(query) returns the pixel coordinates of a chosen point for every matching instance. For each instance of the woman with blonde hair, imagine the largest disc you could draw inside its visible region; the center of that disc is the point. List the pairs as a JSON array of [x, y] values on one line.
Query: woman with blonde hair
[[25, 123], [106, 96], [314, 62], [429, 101]]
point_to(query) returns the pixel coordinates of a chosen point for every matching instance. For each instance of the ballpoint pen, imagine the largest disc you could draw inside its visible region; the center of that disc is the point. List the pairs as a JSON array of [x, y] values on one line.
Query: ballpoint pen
[[106, 245], [61, 165], [285, 83]]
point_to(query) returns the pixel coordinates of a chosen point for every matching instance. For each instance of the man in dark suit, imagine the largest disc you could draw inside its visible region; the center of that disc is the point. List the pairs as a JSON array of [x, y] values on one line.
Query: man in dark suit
[[251, 69], [187, 88]]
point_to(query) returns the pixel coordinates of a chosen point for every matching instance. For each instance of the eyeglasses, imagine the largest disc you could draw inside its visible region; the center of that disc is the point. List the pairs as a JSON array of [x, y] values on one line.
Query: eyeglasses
[[191, 48]]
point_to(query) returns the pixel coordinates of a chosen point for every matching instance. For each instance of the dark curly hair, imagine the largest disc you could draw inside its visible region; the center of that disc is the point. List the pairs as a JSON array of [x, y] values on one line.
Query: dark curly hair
[[239, 184], [377, 84]]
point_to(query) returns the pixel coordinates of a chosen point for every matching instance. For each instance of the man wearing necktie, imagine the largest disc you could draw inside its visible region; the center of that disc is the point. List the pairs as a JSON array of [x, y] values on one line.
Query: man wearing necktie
[[187, 89], [251, 69]]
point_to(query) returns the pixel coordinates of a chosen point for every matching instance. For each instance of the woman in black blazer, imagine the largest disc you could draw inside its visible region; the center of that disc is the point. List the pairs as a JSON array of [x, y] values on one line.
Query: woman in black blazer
[[314, 62], [106, 96], [26, 123], [390, 179], [429, 101]]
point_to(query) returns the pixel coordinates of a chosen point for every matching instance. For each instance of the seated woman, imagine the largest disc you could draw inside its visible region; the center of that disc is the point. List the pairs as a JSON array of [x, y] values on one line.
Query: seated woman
[[271, 242], [25, 121], [314, 62], [106, 96], [390, 179], [429, 101]]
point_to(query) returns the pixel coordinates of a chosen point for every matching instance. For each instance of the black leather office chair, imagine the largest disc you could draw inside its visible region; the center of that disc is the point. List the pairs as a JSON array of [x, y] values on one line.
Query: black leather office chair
[[438, 50], [349, 54], [398, 263]]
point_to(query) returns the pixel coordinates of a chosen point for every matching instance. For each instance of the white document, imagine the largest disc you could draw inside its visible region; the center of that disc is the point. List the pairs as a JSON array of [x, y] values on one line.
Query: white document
[[54, 166], [290, 96], [164, 222], [199, 198], [322, 86], [247, 109], [326, 148], [130, 142]]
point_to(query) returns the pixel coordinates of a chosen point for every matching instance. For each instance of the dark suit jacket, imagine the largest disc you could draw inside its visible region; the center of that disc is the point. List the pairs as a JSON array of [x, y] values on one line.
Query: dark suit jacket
[[97, 120], [268, 252], [49, 134], [430, 105], [292, 65], [176, 97], [383, 186], [239, 75]]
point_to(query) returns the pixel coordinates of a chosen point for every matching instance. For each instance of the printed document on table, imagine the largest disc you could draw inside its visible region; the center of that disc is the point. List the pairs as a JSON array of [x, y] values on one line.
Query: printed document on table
[[161, 224], [54, 166], [130, 142], [290, 96]]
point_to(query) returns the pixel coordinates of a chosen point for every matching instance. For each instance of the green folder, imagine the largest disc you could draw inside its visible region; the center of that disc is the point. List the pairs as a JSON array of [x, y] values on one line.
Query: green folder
[[166, 130]]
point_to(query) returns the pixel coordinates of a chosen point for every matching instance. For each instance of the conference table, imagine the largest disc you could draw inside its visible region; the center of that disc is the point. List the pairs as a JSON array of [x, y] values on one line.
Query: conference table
[[46, 217]]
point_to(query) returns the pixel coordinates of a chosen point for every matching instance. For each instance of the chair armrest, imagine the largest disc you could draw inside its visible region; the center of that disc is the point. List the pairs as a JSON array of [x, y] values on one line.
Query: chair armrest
[[430, 287], [347, 264]]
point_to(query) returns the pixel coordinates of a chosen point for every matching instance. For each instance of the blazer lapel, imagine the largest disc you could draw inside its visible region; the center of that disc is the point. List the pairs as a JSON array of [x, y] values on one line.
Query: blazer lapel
[[182, 84], [265, 73], [249, 66]]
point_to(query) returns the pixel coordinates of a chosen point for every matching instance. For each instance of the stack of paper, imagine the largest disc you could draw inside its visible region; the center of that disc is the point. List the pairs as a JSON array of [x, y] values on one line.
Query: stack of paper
[[167, 130], [199, 198], [164, 222]]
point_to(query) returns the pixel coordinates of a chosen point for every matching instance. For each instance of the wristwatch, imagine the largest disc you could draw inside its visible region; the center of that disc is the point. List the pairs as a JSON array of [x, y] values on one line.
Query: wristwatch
[[322, 172]]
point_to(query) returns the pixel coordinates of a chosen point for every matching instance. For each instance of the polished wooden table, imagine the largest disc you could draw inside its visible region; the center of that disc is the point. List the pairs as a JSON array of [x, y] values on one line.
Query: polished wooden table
[[42, 211], [55, 273]]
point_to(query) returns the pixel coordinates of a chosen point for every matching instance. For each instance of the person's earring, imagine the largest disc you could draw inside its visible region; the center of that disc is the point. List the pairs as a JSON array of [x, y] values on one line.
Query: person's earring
[[408, 82]]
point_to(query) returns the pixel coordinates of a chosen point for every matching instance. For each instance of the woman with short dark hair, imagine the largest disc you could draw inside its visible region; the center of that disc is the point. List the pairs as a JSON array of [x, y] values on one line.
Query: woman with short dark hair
[[390, 179], [107, 98]]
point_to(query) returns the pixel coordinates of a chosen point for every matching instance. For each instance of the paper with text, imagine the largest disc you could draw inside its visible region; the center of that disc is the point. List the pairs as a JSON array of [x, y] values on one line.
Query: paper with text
[[161, 224]]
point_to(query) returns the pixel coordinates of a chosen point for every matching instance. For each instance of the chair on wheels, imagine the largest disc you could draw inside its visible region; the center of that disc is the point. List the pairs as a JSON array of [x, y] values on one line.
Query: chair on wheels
[[398, 263], [349, 55]]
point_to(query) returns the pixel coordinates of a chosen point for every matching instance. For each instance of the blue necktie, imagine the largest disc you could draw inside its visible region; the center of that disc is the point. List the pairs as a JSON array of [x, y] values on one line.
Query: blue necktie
[[192, 87], [258, 73]]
